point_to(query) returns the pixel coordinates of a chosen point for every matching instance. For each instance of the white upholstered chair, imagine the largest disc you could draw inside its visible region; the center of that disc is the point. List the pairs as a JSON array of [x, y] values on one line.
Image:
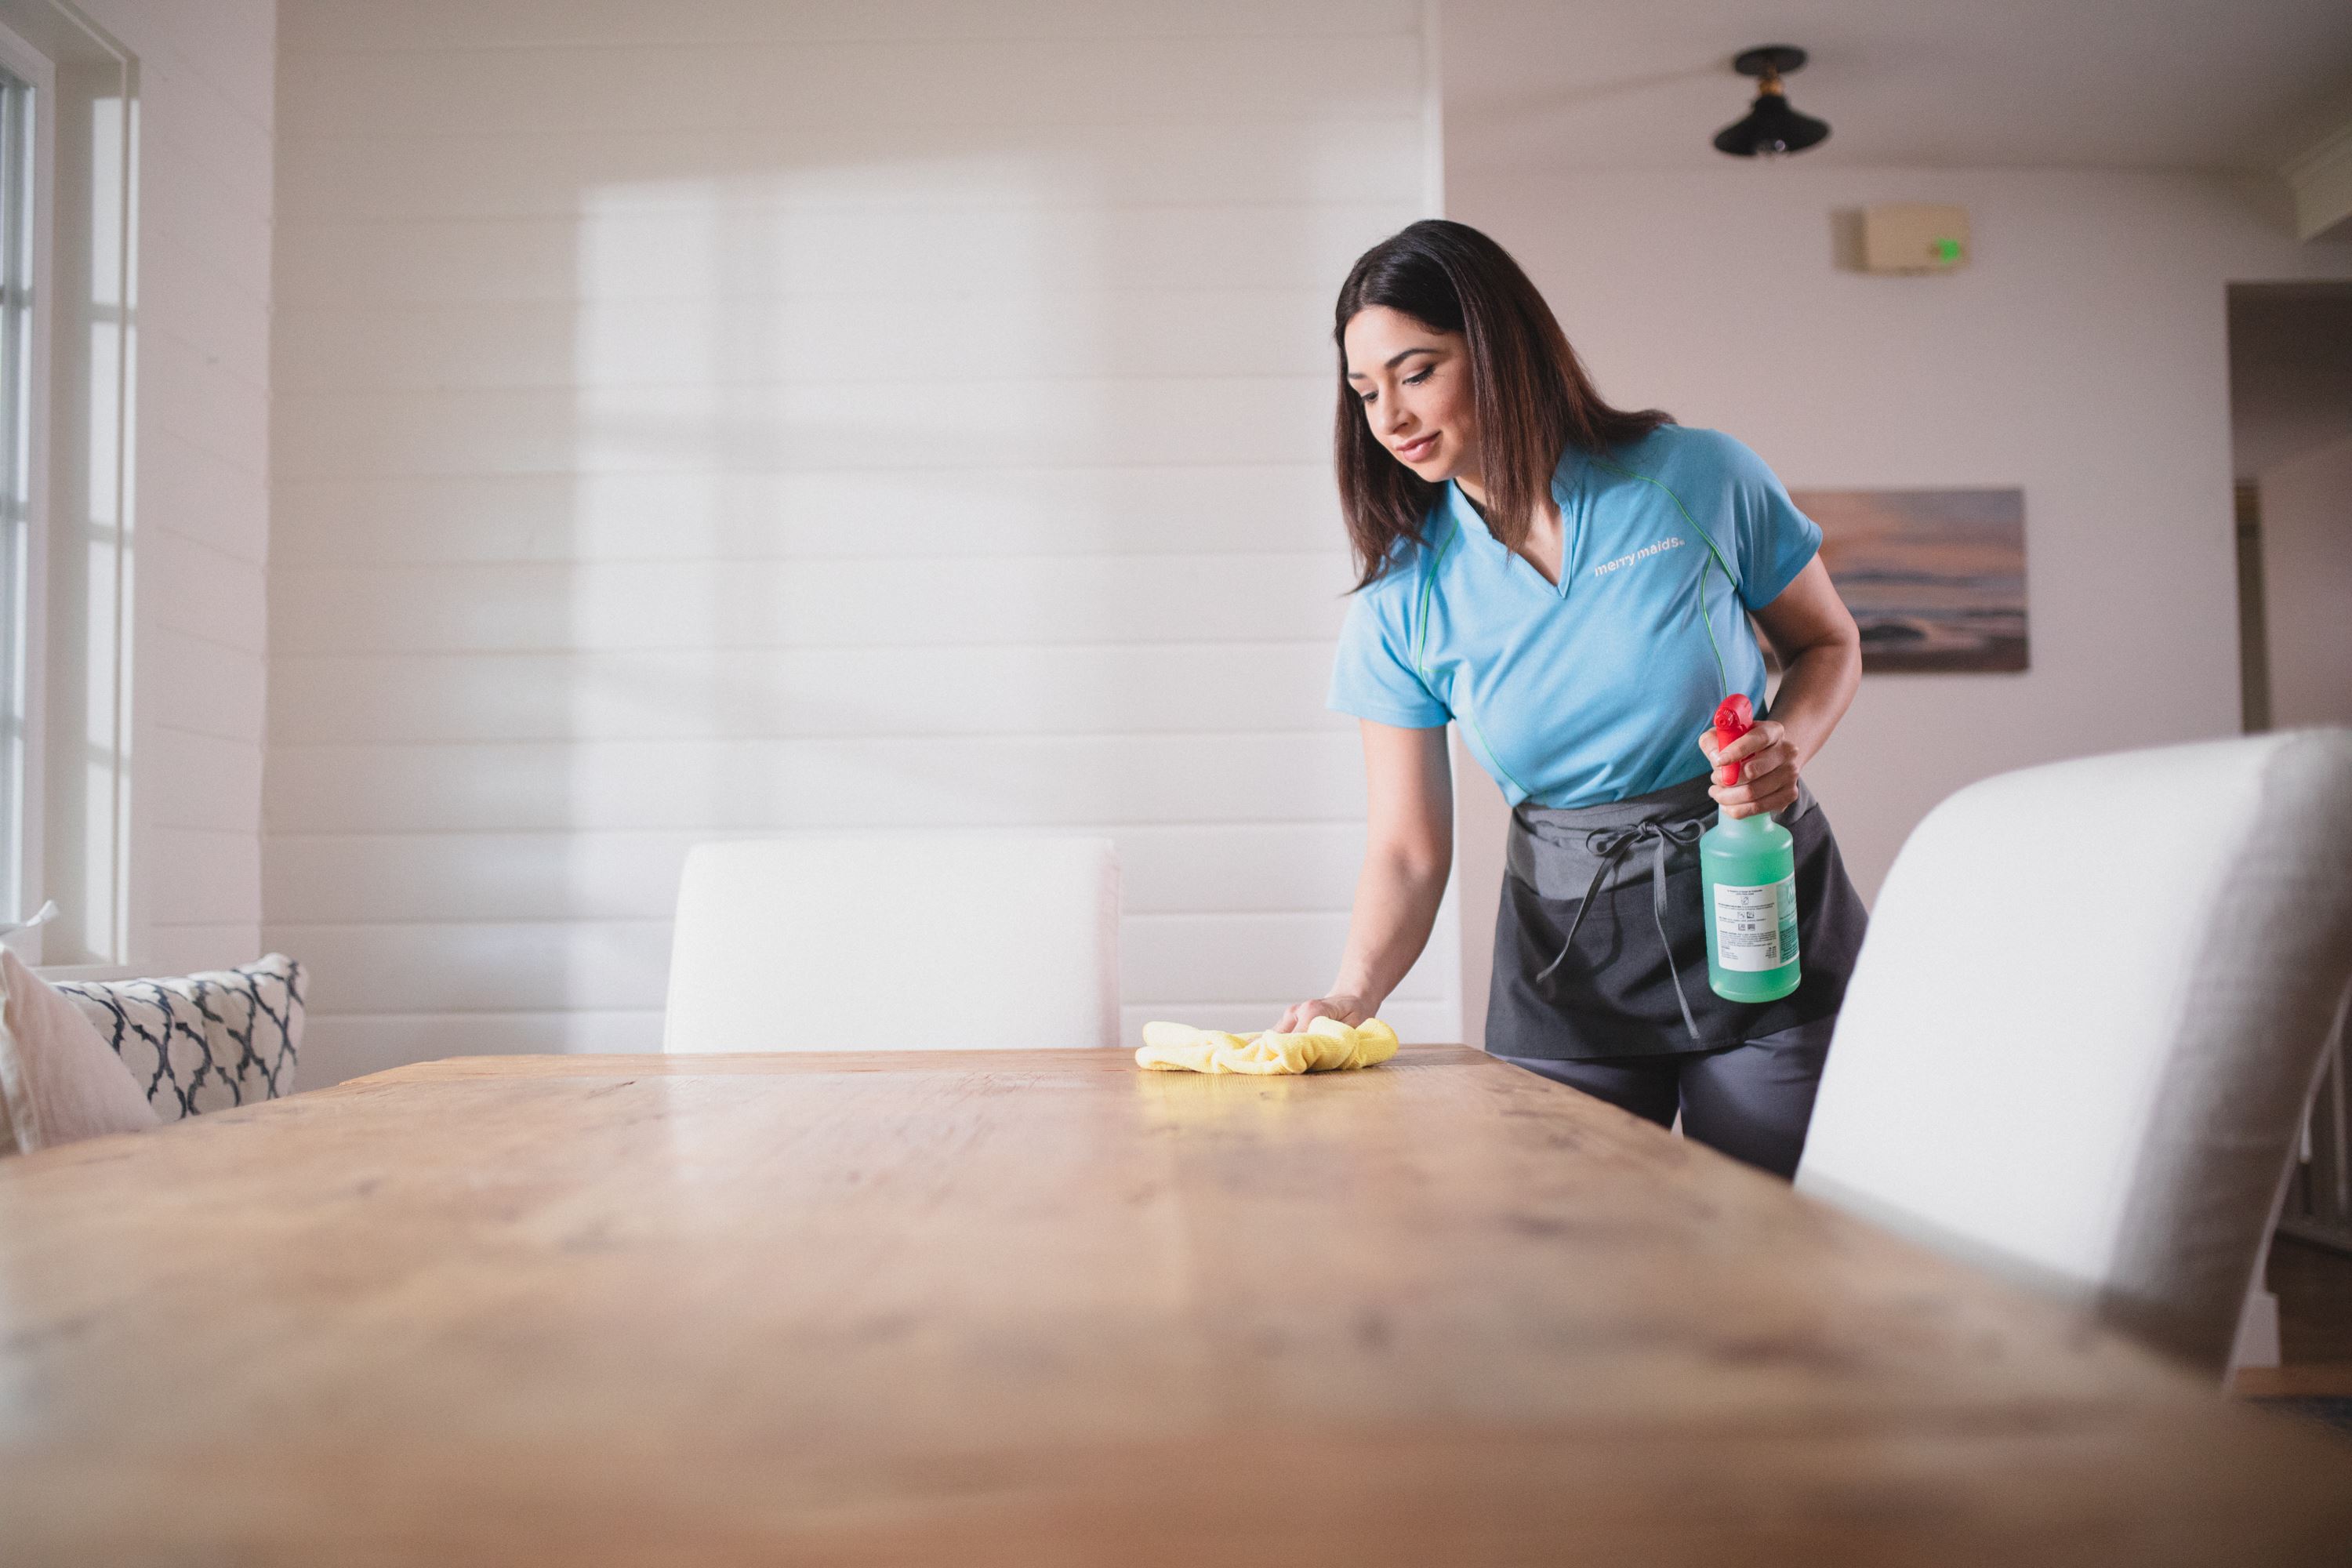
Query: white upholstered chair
[[871, 942], [2087, 1019]]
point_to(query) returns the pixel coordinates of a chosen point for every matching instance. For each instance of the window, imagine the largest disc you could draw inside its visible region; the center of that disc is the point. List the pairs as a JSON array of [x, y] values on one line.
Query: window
[[21, 557], [69, 171], [16, 471]]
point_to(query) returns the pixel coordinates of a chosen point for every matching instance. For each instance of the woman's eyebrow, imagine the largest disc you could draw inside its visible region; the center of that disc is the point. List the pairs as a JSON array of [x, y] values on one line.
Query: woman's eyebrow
[[1394, 360]]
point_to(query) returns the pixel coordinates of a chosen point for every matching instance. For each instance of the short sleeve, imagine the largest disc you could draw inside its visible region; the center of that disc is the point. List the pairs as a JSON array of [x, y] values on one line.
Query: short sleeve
[[1775, 540], [1374, 678]]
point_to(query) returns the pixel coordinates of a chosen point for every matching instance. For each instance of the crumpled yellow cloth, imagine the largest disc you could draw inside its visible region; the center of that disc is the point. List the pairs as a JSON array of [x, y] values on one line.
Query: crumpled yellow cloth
[[1326, 1044]]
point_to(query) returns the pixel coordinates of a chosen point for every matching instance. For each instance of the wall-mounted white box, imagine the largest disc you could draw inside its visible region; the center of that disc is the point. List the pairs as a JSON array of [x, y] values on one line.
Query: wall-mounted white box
[[1913, 236]]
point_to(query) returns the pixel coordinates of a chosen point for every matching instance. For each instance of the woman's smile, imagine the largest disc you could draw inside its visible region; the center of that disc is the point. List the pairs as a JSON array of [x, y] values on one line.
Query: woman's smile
[[1417, 449]]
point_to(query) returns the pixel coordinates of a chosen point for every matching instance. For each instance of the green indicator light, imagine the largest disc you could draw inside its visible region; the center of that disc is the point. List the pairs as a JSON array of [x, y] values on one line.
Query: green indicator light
[[1947, 250]]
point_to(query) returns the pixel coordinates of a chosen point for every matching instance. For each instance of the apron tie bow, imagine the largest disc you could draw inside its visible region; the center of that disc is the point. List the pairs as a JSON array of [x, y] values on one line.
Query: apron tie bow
[[1608, 846]]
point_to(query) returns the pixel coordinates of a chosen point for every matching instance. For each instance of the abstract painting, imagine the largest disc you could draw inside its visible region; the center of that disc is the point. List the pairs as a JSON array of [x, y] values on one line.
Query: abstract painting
[[1936, 579]]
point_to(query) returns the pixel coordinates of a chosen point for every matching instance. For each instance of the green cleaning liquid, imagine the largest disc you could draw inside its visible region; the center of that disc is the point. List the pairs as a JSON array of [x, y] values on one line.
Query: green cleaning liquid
[[1748, 877]]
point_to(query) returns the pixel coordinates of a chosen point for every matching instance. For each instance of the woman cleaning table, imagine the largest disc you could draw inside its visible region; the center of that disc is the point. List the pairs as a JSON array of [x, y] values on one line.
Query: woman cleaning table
[[1572, 584]]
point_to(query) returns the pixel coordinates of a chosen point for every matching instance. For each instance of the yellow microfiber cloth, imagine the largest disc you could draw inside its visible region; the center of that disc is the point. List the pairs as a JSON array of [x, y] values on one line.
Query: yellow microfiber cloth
[[1326, 1044]]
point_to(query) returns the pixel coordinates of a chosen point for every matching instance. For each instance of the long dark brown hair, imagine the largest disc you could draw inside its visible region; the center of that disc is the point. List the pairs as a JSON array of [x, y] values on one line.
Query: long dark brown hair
[[1532, 398]]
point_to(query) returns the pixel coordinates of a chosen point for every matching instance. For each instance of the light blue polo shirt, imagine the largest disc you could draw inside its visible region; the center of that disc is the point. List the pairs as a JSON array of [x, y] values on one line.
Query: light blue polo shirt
[[1596, 689]]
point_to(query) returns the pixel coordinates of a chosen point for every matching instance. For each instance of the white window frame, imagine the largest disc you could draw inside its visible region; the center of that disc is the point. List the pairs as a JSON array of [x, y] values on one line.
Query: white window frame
[[82, 396], [26, 621]]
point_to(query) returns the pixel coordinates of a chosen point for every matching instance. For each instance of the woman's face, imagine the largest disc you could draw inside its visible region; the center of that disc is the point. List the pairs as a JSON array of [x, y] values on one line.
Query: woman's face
[[1414, 383]]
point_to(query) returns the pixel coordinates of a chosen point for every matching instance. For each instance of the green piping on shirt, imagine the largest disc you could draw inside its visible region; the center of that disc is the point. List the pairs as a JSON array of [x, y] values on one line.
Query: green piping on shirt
[[1421, 643], [1428, 586], [1705, 617], [1493, 756]]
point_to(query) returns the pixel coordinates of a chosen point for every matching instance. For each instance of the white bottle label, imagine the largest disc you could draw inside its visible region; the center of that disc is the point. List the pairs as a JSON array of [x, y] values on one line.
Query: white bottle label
[[1756, 928]]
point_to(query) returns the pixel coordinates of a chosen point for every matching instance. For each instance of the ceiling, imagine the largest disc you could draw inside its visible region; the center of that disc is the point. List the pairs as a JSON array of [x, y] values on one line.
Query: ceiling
[[2149, 84]]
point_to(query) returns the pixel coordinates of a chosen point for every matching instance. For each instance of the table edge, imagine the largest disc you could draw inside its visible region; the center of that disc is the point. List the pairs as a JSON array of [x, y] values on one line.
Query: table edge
[[735, 1064]]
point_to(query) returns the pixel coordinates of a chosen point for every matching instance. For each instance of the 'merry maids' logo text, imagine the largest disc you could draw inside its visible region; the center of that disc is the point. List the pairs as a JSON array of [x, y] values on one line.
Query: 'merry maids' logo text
[[1672, 541]]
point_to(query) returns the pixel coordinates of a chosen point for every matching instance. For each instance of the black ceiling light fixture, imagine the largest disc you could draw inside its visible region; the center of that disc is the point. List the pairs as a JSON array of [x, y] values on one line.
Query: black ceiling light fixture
[[1771, 127]]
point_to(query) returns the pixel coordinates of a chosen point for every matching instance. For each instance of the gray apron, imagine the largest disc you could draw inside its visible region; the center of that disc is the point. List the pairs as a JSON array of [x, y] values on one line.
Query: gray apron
[[1599, 945]]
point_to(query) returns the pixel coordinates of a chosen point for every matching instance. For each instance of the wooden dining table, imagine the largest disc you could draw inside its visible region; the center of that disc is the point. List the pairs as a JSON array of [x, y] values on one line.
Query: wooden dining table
[[1036, 1307]]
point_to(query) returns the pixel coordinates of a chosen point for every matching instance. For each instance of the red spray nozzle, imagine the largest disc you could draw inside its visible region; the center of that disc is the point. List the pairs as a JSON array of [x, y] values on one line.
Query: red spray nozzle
[[1733, 719]]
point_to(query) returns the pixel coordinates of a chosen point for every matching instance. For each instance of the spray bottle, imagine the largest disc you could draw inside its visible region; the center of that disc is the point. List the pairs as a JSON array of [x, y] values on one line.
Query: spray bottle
[[1747, 878]]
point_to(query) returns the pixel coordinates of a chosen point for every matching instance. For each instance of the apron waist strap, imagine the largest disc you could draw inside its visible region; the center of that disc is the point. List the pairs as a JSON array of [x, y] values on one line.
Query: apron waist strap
[[1551, 847]]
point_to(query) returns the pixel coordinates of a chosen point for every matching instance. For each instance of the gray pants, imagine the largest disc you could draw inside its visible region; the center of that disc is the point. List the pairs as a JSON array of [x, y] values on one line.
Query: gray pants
[[1752, 1101]]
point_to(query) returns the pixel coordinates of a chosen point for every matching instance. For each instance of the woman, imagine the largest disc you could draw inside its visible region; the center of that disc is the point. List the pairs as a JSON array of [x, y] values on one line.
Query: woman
[[1573, 583]]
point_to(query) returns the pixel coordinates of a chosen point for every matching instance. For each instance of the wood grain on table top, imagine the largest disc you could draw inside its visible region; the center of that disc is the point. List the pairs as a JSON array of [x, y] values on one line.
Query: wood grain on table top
[[1040, 1307]]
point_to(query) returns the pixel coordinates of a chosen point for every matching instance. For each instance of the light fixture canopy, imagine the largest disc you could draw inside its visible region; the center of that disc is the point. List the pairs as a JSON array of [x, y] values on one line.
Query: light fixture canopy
[[1771, 128]]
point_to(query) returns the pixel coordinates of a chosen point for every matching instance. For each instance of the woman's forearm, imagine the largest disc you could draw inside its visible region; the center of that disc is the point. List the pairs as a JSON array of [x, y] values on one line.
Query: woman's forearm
[[1816, 688], [1397, 897]]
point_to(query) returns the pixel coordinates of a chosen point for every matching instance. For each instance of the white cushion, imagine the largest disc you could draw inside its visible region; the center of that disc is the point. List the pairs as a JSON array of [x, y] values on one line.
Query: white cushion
[[59, 1082], [2088, 1015], [867, 941], [206, 1041]]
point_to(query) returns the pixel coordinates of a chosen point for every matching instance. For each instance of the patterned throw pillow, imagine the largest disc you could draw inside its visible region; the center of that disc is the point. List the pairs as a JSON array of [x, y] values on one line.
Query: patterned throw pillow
[[205, 1042]]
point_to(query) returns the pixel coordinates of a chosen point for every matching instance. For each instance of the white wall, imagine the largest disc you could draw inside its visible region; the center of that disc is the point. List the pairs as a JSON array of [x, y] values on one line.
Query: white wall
[[201, 512], [729, 417], [2081, 356], [2307, 571]]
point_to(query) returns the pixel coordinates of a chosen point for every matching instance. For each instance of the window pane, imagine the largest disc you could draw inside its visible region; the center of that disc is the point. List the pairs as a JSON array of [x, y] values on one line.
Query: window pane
[[16, 512]]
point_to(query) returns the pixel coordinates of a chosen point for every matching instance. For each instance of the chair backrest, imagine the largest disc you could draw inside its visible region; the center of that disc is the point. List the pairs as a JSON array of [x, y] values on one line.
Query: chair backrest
[[868, 941], [2086, 1020]]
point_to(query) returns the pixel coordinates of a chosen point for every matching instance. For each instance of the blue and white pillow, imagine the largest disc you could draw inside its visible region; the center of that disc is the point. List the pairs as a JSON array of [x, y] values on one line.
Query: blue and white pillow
[[202, 1042]]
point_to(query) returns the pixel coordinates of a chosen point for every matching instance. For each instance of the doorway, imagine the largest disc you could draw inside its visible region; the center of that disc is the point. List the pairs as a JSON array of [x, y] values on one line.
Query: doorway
[[2290, 447]]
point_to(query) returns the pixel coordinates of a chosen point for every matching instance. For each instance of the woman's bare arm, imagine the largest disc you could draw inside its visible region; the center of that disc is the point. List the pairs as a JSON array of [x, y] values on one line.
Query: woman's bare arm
[[1821, 664], [1408, 853]]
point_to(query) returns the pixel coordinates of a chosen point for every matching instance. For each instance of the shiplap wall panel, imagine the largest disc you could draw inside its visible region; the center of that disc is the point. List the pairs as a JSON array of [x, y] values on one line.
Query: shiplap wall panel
[[894, 85], [623, 966], [218, 503], [232, 49], [215, 596], [204, 306], [793, 264], [810, 515], [1215, 163], [214, 151], [804, 417], [200, 453], [207, 877], [715, 695], [206, 687], [215, 296], [498, 346], [182, 946], [205, 403], [195, 779], [642, 607], [995, 781], [605, 428], [432, 24], [345, 879], [205, 381]]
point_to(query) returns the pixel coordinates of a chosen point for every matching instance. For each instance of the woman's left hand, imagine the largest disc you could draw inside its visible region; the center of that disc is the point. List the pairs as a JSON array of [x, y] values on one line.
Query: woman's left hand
[[1769, 780]]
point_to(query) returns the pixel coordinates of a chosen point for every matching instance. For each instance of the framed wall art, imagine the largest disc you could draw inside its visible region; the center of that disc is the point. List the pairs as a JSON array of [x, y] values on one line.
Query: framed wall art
[[1936, 579]]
